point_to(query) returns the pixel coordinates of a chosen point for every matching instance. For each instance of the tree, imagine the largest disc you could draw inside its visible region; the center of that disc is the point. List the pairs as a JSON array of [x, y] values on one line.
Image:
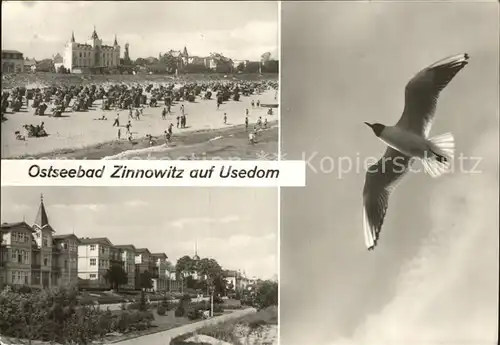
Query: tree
[[185, 265], [267, 294], [146, 280], [141, 62], [240, 67], [170, 62], [116, 276], [61, 69]]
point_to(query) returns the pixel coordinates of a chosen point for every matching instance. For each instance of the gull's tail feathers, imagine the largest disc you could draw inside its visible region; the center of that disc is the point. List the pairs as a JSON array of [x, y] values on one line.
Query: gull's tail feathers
[[441, 155]]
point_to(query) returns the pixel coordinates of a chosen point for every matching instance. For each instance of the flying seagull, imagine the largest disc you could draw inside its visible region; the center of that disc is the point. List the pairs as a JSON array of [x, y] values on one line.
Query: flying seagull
[[408, 140]]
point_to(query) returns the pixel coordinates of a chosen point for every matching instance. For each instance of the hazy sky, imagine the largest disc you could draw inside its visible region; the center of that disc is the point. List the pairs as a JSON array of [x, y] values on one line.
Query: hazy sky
[[433, 279], [235, 226], [240, 30]]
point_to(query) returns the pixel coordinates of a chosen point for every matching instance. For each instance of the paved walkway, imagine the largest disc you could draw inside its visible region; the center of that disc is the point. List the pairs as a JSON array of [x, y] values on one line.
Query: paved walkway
[[164, 338]]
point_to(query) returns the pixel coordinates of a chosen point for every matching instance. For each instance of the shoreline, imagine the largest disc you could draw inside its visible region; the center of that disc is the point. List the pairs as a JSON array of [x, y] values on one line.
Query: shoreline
[[194, 139]]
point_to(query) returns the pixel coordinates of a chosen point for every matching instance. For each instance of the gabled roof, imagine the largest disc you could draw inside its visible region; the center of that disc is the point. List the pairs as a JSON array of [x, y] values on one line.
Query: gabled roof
[[159, 255], [142, 251], [65, 236], [96, 240], [125, 246], [9, 226]]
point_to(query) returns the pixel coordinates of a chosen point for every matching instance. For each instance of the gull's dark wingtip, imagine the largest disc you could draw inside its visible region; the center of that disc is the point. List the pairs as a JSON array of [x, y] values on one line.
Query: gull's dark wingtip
[[466, 56]]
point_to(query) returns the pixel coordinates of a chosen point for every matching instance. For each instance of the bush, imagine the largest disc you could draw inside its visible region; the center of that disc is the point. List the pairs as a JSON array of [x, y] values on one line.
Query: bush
[[267, 294], [161, 310], [58, 316], [180, 311]]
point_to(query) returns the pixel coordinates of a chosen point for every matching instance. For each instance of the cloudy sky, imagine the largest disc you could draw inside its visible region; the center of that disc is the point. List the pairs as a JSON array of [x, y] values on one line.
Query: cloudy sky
[[433, 278], [240, 30], [236, 226]]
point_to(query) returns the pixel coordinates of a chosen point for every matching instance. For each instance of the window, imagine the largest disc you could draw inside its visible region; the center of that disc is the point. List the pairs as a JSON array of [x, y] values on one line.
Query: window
[[45, 261], [26, 257], [14, 237], [92, 247], [92, 262], [14, 255], [13, 276], [45, 241], [102, 250]]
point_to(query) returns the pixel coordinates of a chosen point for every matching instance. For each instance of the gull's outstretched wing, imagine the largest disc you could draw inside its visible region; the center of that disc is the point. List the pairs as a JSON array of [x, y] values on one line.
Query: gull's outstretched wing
[[381, 179], [423, 90]]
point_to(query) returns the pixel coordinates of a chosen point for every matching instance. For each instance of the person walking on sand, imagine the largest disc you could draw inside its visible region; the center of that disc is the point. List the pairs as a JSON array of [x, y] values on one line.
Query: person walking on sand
[[117, 121], [252, 103], [169, 111], [119, 133], [265, 122], [259, 121], [182, 109], [167, 136], [128, 126], [258, 103], [170, 129], [130, 113], [246, 112], [178, 121], [164, 114], [246, 123], [225, 118], [137, 114]]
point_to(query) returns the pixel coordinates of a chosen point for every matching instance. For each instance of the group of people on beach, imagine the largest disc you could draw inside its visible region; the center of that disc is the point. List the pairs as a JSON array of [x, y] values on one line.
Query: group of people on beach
[[132, 98]]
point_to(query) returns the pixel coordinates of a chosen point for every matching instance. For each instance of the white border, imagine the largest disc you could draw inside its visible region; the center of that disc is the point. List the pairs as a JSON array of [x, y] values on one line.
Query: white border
[[279, 159]]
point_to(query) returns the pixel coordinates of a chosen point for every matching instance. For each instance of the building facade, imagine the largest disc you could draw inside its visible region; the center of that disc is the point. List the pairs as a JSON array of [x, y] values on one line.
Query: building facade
[[128, 258], [32, 255], [94, 259], [12, 61], [91, 55], [160, 277]]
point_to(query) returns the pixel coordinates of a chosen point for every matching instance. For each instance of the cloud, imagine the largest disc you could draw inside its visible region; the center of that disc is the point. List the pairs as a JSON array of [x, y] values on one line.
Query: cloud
[[79, 207]]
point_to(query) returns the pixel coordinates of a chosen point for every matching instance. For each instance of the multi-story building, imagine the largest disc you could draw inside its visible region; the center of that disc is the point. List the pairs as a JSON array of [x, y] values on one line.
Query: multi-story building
[[128, 258], [160, 278], [143, 263], [12, 61], [65, 258], [91, 55], [94, 259], [32, 255], [16, 253]]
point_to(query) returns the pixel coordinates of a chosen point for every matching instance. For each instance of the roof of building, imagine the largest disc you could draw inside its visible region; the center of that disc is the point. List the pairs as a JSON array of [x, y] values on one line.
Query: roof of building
[[129, 246], [8, 226], [159, 255], [65, 236], [42, 220], [95, 240], [29, 62], [142, 250], [11, 51]]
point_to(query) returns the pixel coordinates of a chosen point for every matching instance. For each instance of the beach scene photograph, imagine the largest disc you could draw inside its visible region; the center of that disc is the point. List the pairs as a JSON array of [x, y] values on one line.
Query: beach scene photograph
[[140, 80]]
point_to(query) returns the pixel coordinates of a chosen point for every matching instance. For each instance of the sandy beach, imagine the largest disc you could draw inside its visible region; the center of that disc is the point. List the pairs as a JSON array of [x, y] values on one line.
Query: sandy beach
[[79, 134]]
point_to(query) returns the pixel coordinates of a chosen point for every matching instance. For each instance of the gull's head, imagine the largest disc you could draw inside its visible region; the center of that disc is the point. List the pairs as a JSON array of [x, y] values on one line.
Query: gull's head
[[376, 127]]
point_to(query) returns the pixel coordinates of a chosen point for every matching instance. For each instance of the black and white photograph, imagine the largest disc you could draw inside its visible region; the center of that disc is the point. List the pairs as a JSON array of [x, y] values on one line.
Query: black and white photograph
[[101, 265], [394, 239], [140, 80]]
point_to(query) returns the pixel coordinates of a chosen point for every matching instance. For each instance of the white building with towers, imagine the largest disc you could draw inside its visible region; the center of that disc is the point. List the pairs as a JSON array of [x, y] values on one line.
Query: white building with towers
[[91, 55]]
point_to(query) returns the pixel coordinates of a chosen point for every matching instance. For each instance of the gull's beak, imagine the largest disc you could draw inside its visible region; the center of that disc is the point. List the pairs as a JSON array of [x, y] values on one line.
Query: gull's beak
[[368, 124]]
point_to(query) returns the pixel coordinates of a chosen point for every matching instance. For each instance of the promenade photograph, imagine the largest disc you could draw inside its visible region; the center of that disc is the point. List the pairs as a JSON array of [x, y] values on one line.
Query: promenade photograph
[[139, 80], [104, 265]]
